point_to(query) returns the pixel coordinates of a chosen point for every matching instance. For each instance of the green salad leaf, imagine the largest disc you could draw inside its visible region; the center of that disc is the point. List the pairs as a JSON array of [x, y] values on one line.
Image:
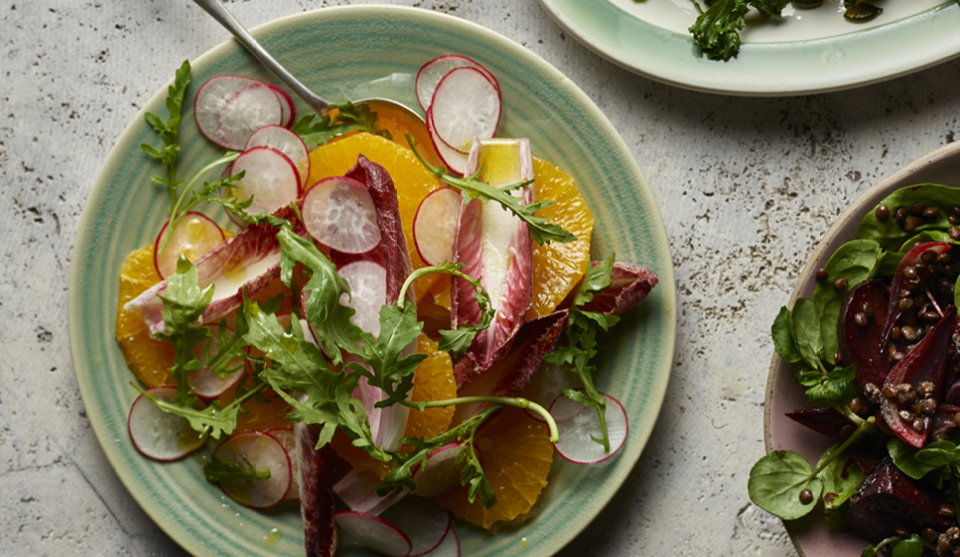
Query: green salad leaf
[[717, 30], [349, 117], [776, 481], [890, 234]]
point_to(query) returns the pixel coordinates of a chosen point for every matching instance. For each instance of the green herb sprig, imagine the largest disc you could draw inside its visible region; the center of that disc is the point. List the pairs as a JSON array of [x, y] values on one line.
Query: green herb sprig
[[541, 230]]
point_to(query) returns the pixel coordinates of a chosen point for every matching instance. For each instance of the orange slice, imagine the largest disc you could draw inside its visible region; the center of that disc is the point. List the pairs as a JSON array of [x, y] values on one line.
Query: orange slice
[[433, 380], [148, 358], [411, 179], [557, 267], [516, 454]]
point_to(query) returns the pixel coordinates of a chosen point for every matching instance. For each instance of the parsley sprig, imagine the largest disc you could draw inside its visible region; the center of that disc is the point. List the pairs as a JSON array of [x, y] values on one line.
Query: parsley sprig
[[541, 230], [717, 30]]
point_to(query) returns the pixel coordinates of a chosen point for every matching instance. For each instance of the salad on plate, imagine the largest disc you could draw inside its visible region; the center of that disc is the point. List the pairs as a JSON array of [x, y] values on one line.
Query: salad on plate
[[875, 351], [401, 327]]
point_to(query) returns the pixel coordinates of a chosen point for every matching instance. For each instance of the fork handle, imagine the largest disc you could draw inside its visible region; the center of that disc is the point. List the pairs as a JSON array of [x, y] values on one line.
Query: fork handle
[[225, 18]]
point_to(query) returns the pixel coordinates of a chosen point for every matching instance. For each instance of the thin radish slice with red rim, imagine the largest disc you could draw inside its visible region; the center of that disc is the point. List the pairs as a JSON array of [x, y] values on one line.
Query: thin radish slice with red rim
[[577, 423], [228, 109], [289, 441], [359, 492], [194, 236], [265, 453], [288, 143], [453, 159], [435, 70], [422, 520], [547, 385], [340, 214], [368, 293], [465, 106], [288, 110], [449, 546], [435, 225], [204, 382], [269, 176], [160, 435], [441, 473], [374, 533]]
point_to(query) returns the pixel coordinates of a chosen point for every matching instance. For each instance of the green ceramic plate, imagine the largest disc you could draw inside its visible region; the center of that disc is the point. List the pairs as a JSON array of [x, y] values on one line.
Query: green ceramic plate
[[359, 52], [808, 51]]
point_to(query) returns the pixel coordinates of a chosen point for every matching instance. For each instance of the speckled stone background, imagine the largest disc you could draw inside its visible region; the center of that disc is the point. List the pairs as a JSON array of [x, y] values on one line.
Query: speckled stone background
[[746, 187]]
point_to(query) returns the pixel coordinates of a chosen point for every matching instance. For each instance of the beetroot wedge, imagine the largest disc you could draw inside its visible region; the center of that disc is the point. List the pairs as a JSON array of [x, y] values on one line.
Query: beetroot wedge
[[825, 421], [862, 345], [317, 501], [944, 421], [247, 261], [515, 369], [888, 500], [924, 362], [495, 247], [386, 424], [905, 287]]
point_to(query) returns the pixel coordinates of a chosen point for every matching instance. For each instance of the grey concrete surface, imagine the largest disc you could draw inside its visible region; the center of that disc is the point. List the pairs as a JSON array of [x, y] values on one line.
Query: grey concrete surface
[[745, 186]]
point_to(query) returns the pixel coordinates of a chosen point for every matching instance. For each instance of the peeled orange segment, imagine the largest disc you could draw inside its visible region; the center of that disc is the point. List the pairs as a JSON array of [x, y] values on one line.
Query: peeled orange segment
[[557, 267], [412, 181], [194, 236], [433, 381], [516, 454], [147, 357]]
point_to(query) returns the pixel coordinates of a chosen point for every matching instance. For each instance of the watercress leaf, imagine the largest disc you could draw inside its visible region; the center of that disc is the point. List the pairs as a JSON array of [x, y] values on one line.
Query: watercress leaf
[[841, 478], [835, 389], [910, 547], [782, 332], [807, 377], [904, 457], [806, 327], [854, 261], [939, 453], [889, 234], [776, 481]]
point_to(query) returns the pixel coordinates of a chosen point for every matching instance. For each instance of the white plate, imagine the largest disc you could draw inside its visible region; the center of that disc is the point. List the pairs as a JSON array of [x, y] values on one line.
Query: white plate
[[807, 51]]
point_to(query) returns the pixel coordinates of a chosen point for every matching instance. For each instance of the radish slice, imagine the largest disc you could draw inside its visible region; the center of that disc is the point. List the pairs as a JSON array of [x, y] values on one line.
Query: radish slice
[[203, 381], [270, 177], [449, 547], [228, 109], [435, 70], [577, 424], [288, 110], [374, 533], [361, 495], [286, 142], [435, 225], [422, 520], [440, 474], [264, 453], [160, 435], [465, 106], [194, 236], [340, 214], [453, 159], [368, 293], [547, 385], [288, 440]]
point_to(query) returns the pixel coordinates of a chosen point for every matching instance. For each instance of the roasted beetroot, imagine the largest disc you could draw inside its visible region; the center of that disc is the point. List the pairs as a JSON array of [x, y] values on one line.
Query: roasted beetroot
[[924, 363], [825, 421], [861, 331], [911, 280], [888, 500]]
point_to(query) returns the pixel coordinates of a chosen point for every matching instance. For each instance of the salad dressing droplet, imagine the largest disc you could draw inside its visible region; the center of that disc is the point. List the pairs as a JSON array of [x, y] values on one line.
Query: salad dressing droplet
[[272, 537], [523, 543]]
